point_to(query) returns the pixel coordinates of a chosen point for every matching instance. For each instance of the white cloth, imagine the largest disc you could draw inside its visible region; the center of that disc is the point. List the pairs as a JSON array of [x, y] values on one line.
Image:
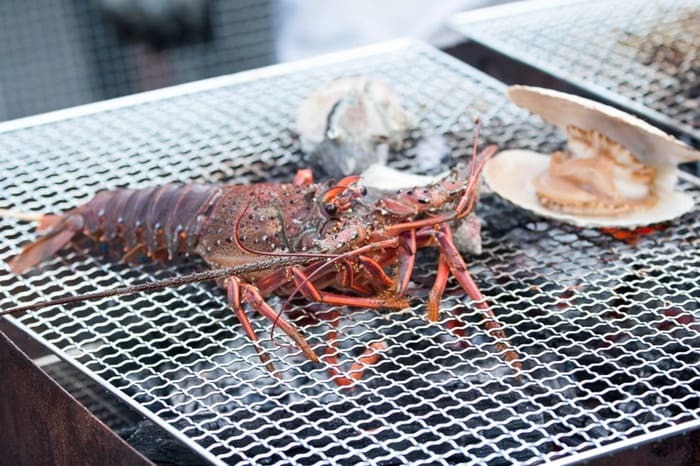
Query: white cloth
[[313, 27]]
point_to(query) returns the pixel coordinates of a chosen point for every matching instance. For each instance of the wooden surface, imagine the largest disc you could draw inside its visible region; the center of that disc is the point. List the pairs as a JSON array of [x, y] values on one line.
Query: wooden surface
[[40, 423]]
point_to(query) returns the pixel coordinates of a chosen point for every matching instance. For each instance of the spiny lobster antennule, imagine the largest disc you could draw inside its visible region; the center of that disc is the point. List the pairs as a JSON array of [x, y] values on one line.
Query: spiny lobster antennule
[[479, 159], [471, 192], [459, 185]]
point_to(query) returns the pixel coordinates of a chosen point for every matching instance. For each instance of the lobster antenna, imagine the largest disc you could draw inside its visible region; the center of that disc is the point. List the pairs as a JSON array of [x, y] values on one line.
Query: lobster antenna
[[266, 264]]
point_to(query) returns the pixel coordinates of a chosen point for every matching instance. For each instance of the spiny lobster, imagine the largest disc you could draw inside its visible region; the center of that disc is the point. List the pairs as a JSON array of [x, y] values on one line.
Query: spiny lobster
[[345, 240]]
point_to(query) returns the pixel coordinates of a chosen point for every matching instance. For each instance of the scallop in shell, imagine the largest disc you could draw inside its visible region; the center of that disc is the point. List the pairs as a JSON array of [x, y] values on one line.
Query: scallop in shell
[[617, 170]]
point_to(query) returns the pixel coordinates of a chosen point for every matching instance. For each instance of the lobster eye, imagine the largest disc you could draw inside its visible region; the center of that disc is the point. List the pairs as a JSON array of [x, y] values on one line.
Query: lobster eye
[[331, 209], [363, 191]]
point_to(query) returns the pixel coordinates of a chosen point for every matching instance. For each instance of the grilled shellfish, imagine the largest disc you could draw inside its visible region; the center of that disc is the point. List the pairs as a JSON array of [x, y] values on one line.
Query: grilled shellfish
[[617, 170], [351, 124]]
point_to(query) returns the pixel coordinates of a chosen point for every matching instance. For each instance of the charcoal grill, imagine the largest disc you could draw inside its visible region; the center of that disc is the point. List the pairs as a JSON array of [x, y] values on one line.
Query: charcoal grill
[[641, 55], [607, 328]]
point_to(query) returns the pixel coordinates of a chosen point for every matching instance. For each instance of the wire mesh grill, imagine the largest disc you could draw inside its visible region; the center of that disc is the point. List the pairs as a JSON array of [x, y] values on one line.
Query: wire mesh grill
[[60, 54], [642, 55], [606, 328], [89, 392]]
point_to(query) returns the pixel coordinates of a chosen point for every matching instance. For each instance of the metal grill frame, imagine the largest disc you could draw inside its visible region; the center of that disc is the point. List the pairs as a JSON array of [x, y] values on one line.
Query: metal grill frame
[[514, 128], [589, 51]]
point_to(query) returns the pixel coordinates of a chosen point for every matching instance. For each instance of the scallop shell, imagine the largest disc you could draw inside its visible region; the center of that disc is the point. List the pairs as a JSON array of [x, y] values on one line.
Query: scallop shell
[[651, 145], [519, 190], [511, 173]]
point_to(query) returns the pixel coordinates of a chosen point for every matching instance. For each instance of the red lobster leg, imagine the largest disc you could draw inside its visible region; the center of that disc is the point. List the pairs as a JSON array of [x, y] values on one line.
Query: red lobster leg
[[373, 278], [435, 295], [346, 278], [407, 260], [369, 356], [459, 269], [377, 277], [238, 292], [309, 290], [304, 177], [233, 293]]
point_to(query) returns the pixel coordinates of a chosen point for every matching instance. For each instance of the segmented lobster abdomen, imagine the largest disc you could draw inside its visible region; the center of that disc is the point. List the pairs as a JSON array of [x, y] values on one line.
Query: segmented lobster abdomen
[[158, 220], [162, 222]]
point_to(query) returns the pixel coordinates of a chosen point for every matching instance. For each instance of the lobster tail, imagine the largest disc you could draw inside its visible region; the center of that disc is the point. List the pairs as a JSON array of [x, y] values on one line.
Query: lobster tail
[[161, 222], [47, 245]]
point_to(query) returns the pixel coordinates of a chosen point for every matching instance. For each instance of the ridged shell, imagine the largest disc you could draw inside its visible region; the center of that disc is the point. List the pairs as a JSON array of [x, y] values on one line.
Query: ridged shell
[[651, 145], [511, 174]]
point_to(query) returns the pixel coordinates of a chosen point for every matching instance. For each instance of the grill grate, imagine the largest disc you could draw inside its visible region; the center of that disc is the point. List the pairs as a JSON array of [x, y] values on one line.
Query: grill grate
[[641, 55], [607, 328]]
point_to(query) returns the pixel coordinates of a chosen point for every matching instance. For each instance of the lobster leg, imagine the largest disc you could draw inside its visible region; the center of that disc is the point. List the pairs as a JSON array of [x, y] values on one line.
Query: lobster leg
[[373, 278], [250, 294], [303, 177], [438, 289], [459, 269], [130, 255], [347, 279], [233, 293], [407, 260], [369, 356], [332, 354], [378, 278], [310, 291]]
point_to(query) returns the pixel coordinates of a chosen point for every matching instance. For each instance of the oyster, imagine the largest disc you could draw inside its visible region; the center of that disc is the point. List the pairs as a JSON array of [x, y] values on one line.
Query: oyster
[[351, 124], [617, 170]]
